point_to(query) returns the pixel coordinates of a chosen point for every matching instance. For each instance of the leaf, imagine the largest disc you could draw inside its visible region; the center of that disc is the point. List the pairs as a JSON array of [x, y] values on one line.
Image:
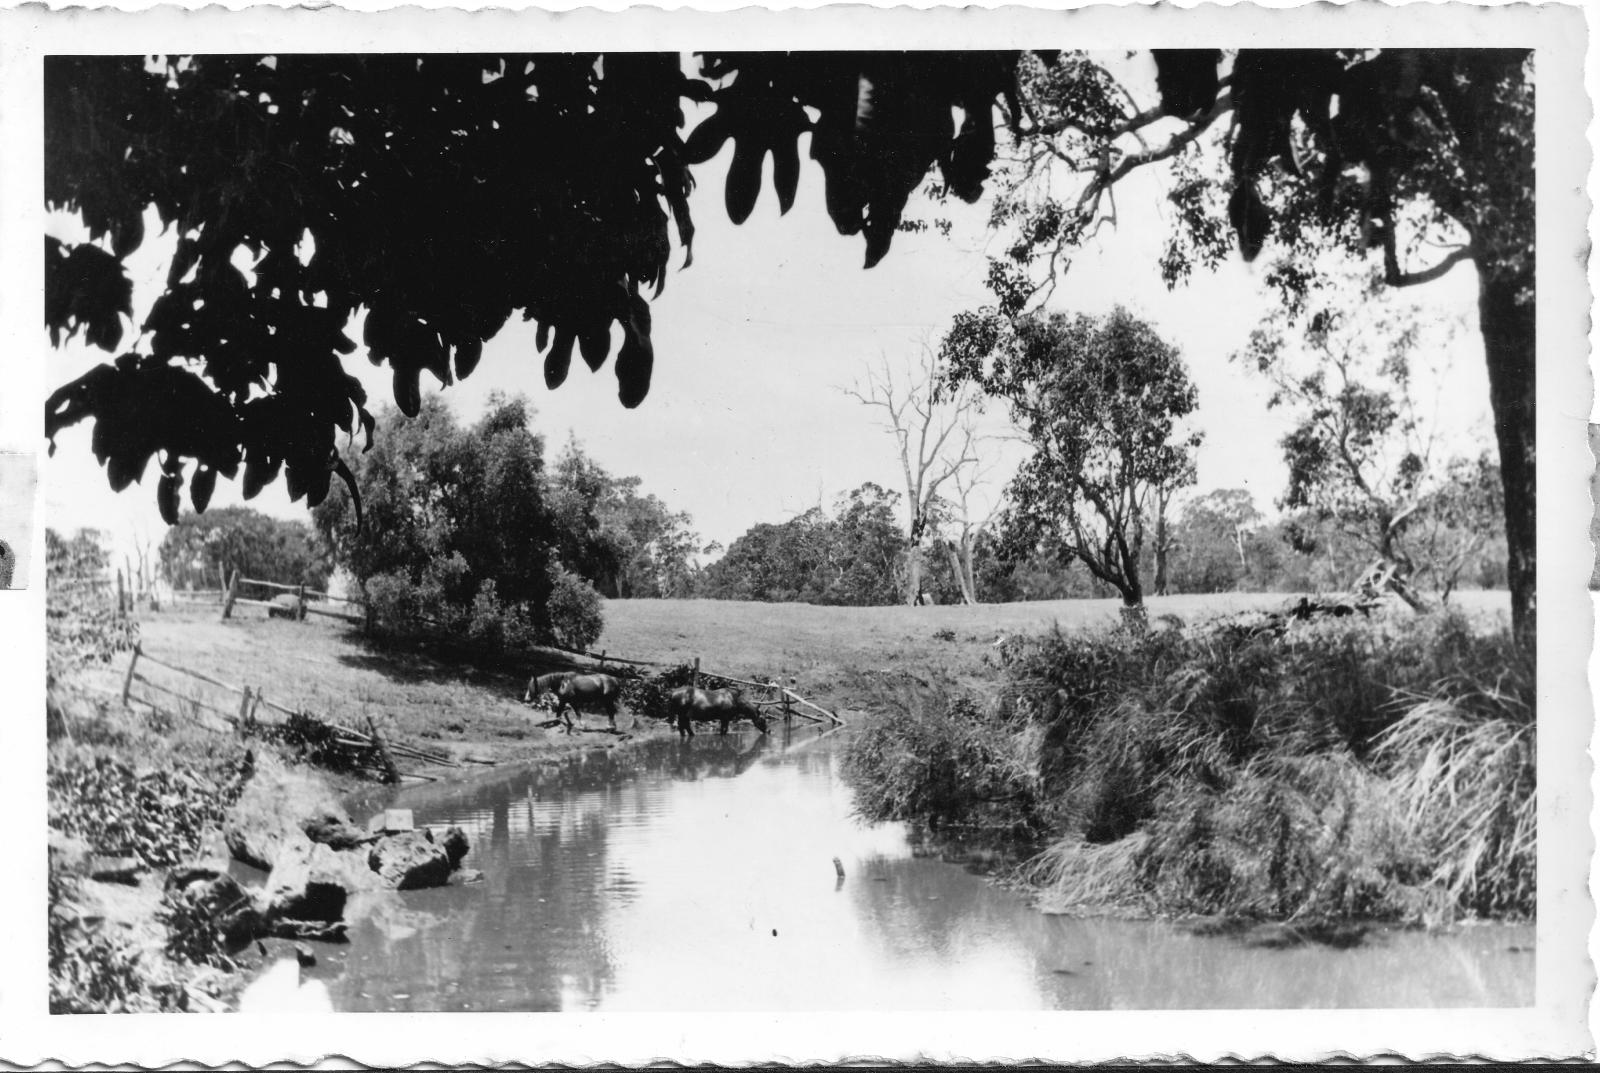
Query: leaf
[[467, 357], [349, 480], [167, 497], [200, 489], [594, 343], [785, 173], [705, 141], [1250, 220], [127, 234], [407, 390], [123, 469], [744, 182], [559, 359], [258, 473], [636, 359]]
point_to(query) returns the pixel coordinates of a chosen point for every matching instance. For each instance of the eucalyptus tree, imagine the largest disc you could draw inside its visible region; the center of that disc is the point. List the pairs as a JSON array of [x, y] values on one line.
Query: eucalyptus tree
[[1101, 402]]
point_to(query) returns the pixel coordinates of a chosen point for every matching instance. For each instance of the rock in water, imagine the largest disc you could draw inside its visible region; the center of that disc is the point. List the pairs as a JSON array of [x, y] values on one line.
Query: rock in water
[[308, 882], [410, 861], [334, 830], [455, 845]]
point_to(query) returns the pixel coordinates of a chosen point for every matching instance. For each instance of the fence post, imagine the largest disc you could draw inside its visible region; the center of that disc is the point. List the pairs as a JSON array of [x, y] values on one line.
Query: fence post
[[228, 594], [121, 608], [695, 681], [602, 659], [244, 709], [302, 601], [390, 772], [127, 683]]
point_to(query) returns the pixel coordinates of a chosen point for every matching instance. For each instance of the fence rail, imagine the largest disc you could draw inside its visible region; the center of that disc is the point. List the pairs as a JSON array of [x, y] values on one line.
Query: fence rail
[[302, 606], [372, 749]]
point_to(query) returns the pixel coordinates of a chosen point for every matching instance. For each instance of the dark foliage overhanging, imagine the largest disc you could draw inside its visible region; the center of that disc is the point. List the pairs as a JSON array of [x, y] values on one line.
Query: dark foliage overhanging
[[441, 194]]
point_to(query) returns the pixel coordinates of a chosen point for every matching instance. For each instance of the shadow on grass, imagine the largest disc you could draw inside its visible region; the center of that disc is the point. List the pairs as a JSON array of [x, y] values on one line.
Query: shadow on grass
[[436, 661]]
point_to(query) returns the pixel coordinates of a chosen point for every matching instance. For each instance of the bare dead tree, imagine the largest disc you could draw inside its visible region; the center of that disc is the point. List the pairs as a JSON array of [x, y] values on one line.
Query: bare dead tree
[[966, 524], [936, 441]]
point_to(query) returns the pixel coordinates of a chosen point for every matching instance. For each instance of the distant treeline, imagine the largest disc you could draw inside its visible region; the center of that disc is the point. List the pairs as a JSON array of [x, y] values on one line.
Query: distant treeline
[[1218, 542]]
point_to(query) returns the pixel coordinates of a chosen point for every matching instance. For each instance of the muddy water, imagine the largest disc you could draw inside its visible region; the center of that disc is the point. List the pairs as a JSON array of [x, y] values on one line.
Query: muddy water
[[700, 876]]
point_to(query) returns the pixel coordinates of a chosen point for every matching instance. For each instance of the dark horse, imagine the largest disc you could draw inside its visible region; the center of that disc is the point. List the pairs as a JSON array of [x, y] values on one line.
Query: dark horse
[[595, 692], [687, 705]]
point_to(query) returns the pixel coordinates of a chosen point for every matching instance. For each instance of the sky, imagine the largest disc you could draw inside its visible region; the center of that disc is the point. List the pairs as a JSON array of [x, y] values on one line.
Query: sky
[[748, 419]]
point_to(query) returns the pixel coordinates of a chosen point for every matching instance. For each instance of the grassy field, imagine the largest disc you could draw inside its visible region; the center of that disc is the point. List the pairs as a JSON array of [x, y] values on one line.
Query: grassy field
[[839, 657], [831, 649]]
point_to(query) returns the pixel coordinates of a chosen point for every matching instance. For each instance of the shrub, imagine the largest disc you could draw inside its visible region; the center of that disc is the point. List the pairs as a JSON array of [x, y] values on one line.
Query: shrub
[[574, 610], [937, 759], [1268, 768], [447, 606]]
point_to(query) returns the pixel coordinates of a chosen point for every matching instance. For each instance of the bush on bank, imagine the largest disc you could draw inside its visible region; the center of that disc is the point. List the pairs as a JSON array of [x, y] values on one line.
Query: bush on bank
[[1376, 769]]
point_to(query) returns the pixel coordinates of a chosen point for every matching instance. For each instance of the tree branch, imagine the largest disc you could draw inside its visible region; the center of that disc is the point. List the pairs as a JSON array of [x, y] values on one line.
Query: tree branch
[[1396, 278]]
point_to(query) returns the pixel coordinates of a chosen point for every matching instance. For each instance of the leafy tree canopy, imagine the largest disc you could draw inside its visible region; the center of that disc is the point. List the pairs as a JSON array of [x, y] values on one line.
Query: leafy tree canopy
[[1101, 401], [440, 194], [202, 548], [855, 557], [435, 490], [1422, 159], [626, 543]]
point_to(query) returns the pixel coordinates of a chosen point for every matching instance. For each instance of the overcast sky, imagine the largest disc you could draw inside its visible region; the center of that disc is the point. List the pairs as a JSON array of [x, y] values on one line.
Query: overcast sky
[[747, 420]]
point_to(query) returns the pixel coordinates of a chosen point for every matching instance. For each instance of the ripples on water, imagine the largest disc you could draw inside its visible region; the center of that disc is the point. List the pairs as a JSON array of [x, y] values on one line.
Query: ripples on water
[[698, 875]]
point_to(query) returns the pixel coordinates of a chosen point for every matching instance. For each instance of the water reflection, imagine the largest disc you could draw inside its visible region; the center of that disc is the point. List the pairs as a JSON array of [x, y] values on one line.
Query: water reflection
[[698, 875]]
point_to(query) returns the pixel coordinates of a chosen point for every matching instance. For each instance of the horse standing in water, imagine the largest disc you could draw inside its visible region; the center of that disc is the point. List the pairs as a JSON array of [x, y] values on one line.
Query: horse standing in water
[[689, 704]]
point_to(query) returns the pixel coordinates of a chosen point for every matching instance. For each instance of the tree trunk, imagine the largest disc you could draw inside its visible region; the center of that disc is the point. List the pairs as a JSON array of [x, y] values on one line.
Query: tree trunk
[[1159, 583], [969, 567], [913, 574], [1509, 346], [960, 562]]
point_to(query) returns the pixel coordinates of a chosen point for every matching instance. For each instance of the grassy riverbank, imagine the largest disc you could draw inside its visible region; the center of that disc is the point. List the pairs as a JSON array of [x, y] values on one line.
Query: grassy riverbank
[[149, 783], [1338, 769]]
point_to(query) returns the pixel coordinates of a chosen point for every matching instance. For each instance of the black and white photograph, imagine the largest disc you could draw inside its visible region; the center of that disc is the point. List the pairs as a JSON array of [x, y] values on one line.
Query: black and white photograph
[[791, 536]]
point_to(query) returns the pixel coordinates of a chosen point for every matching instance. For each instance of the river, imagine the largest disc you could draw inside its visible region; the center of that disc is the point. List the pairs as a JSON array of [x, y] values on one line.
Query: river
[[699, 875]]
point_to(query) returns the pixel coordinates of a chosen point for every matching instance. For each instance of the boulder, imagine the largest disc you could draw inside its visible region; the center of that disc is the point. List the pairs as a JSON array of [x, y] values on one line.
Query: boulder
[[455, 845], [334, 830], [312, 882], [410, 861], [217, 897], [273, 810]]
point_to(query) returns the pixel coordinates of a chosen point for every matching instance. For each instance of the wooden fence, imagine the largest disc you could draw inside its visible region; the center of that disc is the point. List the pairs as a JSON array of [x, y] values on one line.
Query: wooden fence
[[366, 749], [302, 606]]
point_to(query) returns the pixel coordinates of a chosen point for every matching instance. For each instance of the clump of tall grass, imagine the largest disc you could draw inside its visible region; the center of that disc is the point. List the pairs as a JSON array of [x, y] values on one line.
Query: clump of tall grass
[[935, 758], [1376, 769], [1461, 775]]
